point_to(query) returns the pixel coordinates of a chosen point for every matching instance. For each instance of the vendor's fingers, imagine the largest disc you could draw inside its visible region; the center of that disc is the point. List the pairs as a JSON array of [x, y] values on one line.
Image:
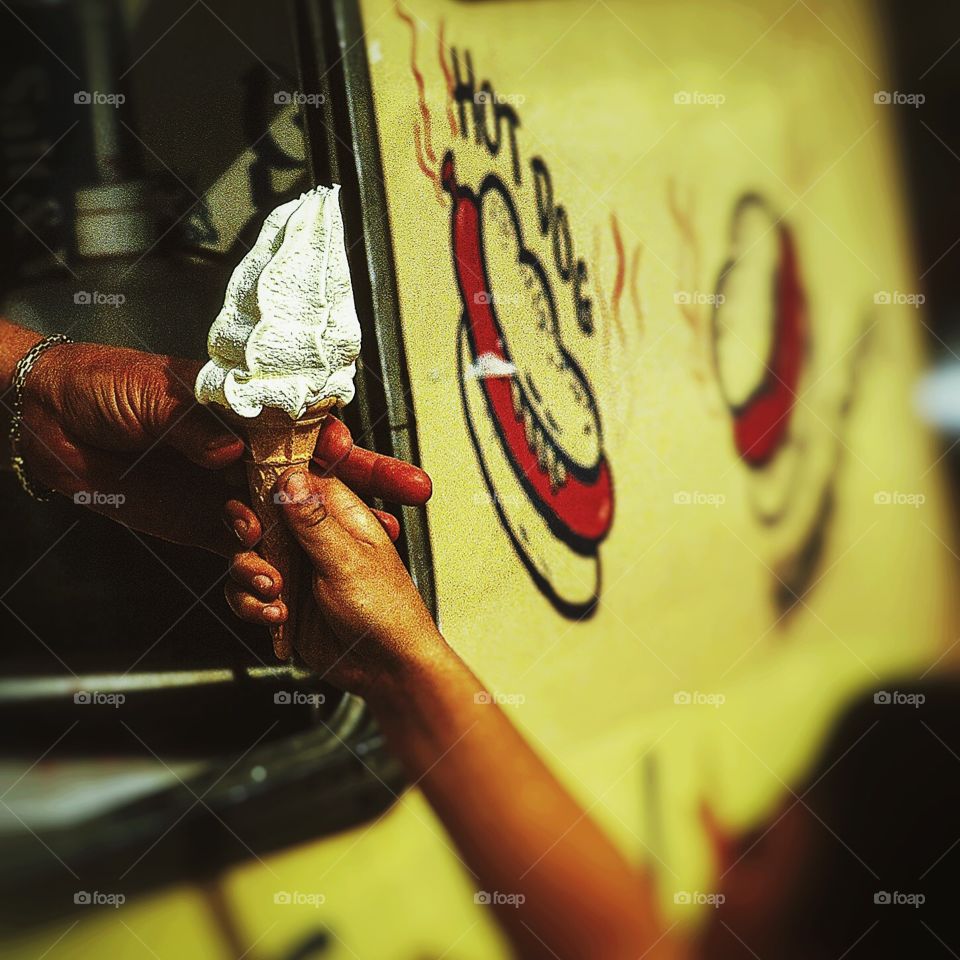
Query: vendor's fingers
[[390, 523], [169, 414], [251, 572], [250, 608], [243, 523], [375, 475], [158, 493], [334, 442], [198, 435], [153, 404]]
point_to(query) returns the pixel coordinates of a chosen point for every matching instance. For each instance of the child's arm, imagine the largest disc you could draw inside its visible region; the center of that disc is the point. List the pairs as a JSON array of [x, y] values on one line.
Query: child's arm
[[557, 885]]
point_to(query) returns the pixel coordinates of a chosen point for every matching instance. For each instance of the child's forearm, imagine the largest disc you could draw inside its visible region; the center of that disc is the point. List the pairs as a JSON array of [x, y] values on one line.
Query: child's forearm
[[559, 887], [557, 884]]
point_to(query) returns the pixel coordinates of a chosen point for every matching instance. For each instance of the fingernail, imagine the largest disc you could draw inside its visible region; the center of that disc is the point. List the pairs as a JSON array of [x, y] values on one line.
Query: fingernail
[[262, 583], [240, 528], [272, 613], [296, 486]]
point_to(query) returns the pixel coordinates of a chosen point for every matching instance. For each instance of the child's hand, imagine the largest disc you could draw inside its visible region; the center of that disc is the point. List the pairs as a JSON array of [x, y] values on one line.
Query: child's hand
[[371, 623]]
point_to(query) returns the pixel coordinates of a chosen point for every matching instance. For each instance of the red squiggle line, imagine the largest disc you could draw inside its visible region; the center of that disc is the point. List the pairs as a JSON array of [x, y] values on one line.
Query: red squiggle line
[[601, 296], [418, 77], [427, 171], [634, 289], [618, 284], [447, 76]]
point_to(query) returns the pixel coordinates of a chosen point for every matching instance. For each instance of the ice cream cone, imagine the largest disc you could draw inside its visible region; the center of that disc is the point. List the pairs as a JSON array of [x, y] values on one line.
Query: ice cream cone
[[276, 442]]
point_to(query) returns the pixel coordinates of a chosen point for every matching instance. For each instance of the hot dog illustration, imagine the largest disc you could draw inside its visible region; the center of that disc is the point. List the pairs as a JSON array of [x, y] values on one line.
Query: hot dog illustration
[[762, 344], [760, 335], [530, 408]]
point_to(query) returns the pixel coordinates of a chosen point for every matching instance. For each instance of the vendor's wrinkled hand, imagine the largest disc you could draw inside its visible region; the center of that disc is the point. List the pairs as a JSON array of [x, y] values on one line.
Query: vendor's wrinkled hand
[[120, 432]]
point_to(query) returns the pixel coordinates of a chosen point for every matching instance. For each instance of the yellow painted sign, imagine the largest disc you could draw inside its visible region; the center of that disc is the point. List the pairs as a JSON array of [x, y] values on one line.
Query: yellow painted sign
[[656, 300]]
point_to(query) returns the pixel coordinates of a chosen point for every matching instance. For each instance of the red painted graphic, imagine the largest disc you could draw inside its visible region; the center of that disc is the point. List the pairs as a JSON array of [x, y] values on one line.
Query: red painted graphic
[[579, 506]]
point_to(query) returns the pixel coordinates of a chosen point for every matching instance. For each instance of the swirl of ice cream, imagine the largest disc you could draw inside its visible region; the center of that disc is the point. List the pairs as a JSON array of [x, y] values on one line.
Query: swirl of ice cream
[[287, 335]]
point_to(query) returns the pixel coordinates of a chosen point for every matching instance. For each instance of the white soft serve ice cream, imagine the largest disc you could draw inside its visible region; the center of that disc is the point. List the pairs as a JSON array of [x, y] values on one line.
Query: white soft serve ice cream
[[288, 334]]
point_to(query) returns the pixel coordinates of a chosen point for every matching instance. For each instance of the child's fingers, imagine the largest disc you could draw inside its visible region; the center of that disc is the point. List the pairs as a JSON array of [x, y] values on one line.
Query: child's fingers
[[389, 522], [376, 475], [240, 519], [248, 607], [334, 442], [252, 573], [367, 473]]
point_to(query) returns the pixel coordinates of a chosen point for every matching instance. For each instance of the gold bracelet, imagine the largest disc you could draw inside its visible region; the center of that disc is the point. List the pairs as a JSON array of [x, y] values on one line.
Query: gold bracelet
[[20, 374]]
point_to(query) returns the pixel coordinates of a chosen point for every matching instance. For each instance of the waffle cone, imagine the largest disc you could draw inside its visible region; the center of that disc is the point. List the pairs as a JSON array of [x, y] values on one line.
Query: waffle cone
[[276, 442]]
